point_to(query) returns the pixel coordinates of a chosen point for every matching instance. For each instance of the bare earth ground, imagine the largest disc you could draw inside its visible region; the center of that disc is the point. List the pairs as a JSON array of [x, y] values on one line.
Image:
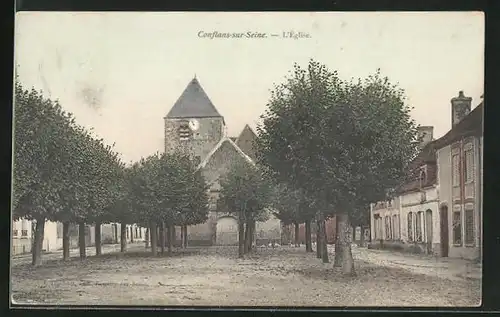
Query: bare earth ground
[[215, 277]]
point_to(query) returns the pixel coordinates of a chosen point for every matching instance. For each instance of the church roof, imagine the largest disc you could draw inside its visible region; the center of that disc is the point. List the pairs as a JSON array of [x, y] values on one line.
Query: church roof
[[218, 146], [193, 103], [245, 141]]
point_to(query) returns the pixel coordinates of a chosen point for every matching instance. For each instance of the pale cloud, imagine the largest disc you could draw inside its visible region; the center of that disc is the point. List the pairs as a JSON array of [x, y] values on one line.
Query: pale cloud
[[122, 72]]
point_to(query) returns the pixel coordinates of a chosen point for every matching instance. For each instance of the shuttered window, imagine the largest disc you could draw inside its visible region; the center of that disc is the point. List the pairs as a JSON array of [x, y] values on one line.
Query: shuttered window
[[395, 226], [469, 227], [418, 227], [469, 163], [410, 226], [388, 233], [457, 228], [455, 161]]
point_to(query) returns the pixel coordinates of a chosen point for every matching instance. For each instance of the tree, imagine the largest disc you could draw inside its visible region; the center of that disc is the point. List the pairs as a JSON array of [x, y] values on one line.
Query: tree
[[166, 190], [41, 141], [247, 192], [342, 142]]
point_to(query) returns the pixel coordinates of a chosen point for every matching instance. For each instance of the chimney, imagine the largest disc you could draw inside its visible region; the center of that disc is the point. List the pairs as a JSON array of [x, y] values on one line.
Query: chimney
[[425, 135], [460, 107]]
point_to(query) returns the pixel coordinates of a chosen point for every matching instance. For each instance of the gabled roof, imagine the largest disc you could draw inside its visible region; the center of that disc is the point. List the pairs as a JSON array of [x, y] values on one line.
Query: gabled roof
[[193, 103], [245, 141], [217, 148], [471, 125]]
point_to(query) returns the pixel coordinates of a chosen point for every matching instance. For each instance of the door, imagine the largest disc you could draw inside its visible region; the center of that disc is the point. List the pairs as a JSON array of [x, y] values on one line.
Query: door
[[428, 227], [227, 231], [444, 231]]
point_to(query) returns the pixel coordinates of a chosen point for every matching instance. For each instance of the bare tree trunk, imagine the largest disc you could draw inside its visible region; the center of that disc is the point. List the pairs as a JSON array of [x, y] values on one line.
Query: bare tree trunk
[[241, 239], [337, 262], [319, 239], [81, 239], [170, 232], [146, 238], [185, 240], [162, 237], [173, 237], [296, 234], [37, 246], [154, 238], [247, 237], [252, 235], [123, 237], [308, 236], [345, 241], [115, 226], [324, 247], [98, 244], [362, 238], [131, 234], [65, 241]]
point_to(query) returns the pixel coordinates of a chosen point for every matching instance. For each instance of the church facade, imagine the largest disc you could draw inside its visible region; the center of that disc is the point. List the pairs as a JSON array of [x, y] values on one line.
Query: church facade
[[194, 125]]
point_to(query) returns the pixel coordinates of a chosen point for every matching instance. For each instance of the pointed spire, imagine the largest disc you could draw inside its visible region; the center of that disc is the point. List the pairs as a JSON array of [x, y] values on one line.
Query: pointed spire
[[193, 103]]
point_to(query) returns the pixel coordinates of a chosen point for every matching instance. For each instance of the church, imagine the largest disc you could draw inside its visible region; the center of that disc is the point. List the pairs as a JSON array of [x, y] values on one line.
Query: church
[[194, 125]]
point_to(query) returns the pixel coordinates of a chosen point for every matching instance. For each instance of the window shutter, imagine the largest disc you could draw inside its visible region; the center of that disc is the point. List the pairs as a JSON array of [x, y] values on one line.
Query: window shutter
[[469, 227], [456, 170], [469, 162]]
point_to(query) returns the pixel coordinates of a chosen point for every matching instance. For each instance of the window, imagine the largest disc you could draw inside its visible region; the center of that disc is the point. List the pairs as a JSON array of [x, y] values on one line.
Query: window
[[456, 170], [395, 226], [418, 227], [126, 230], [457, 228], [15, 232], [140, 233], [410, 226], [469, 227], [24, 228], [387, 228], [184, 131], [468, 163]]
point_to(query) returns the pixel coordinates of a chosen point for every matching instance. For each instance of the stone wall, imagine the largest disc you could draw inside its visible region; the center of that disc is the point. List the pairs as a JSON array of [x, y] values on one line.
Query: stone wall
[[210, 132]]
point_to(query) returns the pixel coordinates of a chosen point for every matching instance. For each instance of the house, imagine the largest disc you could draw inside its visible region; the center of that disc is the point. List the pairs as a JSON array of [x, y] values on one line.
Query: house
[[460, 177], [23, 234], [194, 125], [418, 199], [447, 173]]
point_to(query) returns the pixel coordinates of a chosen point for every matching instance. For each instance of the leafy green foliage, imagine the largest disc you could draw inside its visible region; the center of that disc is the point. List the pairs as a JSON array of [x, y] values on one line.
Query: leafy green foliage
[[246, 192], [166, 187], [60, 171], [343, 142]]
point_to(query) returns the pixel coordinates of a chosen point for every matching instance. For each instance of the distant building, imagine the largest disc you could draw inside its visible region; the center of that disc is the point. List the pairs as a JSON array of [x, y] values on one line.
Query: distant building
[[447, 172], [194, 125], [23, 234]]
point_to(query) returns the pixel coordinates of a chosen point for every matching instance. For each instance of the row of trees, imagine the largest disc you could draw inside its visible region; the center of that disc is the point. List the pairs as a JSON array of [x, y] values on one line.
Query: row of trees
[[61, 172], [335, 146]]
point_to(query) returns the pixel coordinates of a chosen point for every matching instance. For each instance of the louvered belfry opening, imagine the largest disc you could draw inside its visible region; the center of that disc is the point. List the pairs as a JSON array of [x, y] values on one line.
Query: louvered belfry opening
[[184, 131]]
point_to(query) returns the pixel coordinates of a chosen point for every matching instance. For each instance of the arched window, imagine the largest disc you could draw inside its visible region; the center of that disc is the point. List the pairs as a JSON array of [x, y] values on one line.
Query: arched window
[[388, 231], [418, 227], [410, 226]]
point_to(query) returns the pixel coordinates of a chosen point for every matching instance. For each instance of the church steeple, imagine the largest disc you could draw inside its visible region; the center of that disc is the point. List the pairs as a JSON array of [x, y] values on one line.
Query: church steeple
[[193, 103]]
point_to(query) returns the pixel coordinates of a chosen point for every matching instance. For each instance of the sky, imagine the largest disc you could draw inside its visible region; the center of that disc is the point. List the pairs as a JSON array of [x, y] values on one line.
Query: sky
[[119, 73]]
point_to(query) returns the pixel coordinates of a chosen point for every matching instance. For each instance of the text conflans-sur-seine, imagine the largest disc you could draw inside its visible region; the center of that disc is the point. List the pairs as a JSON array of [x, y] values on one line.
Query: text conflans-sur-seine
[[253, 35]]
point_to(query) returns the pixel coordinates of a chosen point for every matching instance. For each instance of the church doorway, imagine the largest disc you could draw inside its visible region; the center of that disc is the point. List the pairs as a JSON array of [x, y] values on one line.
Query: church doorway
[[227, 231]]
